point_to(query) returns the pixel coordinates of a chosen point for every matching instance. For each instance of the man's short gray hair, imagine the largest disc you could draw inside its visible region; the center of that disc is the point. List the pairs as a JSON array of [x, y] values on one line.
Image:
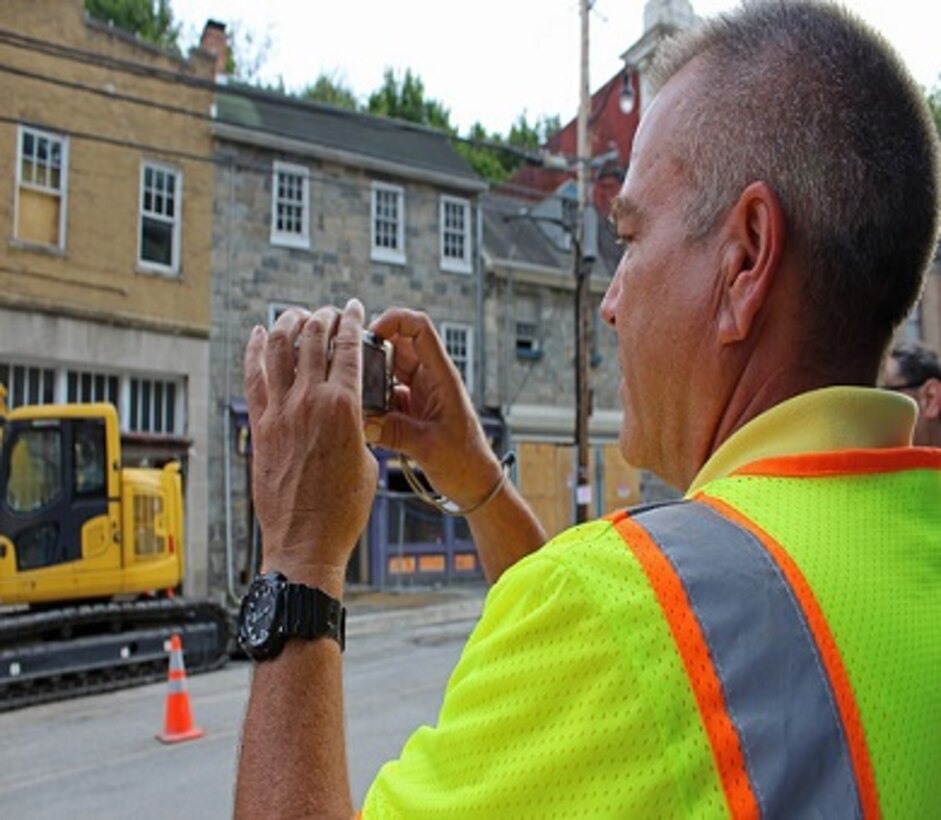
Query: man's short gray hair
[[805, 97]]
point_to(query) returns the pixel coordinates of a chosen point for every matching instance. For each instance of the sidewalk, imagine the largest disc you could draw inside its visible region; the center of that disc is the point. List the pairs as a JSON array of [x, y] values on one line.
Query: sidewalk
[[370, 610]]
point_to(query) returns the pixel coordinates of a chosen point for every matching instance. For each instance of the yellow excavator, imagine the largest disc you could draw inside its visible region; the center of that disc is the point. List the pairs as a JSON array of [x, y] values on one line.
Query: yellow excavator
[[91, 561]]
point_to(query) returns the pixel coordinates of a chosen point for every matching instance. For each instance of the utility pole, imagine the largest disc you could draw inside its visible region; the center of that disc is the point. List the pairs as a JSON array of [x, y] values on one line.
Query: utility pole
[[582, 289]]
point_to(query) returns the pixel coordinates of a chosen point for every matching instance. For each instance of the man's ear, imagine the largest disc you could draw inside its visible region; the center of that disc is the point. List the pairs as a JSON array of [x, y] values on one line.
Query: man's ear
[[929, 400], [751, 256]]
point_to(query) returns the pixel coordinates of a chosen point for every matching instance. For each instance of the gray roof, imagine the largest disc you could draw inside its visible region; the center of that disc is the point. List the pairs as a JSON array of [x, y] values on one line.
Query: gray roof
[[380, 138], [518, 230]]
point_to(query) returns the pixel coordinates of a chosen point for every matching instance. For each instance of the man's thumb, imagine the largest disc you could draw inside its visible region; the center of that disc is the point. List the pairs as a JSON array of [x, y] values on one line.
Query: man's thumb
[[393, 431]]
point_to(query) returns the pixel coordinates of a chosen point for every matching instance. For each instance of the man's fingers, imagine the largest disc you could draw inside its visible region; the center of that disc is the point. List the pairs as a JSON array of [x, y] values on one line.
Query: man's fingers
[[313, 350], [418, 328], [279, 351], [256, 382], [347, 362]]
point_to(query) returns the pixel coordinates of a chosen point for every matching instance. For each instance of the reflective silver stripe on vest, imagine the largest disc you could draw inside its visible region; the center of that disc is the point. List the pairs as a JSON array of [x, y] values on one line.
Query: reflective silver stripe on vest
[[776, 690]]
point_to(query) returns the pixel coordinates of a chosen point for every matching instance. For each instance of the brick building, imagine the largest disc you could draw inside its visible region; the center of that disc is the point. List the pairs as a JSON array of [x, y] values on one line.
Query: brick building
[[105, 210]]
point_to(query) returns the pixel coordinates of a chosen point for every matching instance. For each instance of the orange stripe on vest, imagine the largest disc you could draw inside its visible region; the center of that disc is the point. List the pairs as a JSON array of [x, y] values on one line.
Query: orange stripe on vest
[[694, 652], [845, 462]]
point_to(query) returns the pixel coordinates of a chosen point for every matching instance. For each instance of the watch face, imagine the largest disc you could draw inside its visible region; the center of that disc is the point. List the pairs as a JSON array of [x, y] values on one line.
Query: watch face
[[260, 618]]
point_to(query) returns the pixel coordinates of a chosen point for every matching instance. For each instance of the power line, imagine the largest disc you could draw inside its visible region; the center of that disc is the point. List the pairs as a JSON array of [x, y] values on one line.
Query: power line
[[21, 41], [218, 158]]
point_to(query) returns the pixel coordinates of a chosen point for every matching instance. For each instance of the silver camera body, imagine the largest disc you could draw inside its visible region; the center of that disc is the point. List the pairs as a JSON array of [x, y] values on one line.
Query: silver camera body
[[378, 378]]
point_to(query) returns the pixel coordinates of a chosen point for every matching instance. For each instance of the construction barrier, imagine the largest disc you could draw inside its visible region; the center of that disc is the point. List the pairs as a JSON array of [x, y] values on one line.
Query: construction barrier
[[178, 718]]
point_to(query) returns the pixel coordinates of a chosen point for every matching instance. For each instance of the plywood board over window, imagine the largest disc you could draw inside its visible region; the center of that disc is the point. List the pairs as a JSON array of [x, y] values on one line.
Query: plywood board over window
[[42, 176]]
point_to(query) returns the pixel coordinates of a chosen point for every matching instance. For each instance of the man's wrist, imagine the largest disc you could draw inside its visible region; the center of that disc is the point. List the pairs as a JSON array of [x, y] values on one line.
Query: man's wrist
[[328, 577]]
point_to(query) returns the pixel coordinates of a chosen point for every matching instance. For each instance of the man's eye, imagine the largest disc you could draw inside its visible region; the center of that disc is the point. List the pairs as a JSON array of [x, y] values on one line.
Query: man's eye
[[624, 242]]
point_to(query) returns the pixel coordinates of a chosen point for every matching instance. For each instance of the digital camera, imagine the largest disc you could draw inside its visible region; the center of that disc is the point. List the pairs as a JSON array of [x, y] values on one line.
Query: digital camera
[[377, 374]]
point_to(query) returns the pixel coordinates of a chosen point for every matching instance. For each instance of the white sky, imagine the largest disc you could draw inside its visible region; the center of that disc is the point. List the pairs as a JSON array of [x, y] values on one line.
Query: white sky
[[490, 60]]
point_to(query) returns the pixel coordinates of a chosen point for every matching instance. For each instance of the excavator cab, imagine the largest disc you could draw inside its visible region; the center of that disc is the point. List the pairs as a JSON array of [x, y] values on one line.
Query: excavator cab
[[73, 524], [54, 481]]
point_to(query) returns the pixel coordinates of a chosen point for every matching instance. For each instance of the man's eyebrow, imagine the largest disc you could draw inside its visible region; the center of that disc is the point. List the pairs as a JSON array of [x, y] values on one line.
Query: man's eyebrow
[[624, 208]]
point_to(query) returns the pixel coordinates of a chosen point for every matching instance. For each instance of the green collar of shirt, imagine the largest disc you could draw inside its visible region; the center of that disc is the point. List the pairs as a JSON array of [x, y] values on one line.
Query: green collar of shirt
[[833, 418]]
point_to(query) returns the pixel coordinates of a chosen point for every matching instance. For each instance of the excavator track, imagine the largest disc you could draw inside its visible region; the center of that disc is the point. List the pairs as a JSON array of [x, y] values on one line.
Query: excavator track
[[85, 649]]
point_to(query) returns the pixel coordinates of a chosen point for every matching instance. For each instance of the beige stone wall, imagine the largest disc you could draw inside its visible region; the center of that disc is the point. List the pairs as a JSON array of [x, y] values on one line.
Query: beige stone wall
[[97, 273]]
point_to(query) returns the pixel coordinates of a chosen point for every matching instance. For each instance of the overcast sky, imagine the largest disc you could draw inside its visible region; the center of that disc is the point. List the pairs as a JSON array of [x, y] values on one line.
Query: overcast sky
[[490, 60]]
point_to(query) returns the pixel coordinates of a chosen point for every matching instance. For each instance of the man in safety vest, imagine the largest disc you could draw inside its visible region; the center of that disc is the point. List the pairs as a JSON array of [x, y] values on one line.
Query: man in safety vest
[[769, 645]]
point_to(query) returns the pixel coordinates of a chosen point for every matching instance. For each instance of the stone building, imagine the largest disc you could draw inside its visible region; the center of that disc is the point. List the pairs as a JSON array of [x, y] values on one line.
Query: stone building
[[105, 210], [315, 205], [530, 355]]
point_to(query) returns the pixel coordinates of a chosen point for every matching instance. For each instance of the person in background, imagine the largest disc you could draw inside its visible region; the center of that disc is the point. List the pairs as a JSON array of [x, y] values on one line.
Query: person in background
[[768, 646], [914, 369]]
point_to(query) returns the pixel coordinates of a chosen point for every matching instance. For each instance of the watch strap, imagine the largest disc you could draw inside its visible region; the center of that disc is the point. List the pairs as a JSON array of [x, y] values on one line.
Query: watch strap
[[310, 613]]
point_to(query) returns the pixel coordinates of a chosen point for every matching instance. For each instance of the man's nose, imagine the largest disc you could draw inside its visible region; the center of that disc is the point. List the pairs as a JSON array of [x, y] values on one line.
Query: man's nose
[[609, 303]]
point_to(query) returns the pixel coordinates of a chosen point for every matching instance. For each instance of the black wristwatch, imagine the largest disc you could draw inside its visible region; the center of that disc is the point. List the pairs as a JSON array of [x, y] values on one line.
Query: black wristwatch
[[274, 610]]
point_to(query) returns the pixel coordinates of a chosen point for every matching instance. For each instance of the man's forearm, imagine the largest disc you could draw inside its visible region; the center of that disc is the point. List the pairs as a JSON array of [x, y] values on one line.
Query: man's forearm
[[505, 530], [293, 757]]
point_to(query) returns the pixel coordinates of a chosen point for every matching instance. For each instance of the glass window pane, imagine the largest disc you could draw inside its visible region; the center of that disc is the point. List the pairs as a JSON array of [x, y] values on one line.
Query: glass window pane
[[171, 408], [157, 242], [35, 477]]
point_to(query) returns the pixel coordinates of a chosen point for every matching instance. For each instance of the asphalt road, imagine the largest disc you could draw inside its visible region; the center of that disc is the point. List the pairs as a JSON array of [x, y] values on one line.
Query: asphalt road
[[97, 757]]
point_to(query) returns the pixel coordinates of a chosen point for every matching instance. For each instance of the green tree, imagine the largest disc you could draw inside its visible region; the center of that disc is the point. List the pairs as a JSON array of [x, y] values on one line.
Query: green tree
[[405, 100], [330, 89], [487, 162], [248, 53], [152, 20], [497, 164]]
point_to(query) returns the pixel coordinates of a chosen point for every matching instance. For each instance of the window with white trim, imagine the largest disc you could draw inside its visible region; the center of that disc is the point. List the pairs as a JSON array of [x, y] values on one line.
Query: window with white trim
[[388, 223], [275, 309], [87, 386], [455, 234], [154, 406], [459, 343], [160, 218], [41, 187], [290, 205], [528, 343], [28, 384]]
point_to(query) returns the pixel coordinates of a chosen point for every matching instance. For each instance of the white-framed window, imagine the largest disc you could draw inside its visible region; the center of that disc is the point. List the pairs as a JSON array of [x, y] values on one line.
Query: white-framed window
[[160, 218], [87, 386], [275, 309], [459, 342], [388, 223], [28, 384], [455, 221], [290, 205], [528, 341], [145, 404], [41, 187], [154, 406]]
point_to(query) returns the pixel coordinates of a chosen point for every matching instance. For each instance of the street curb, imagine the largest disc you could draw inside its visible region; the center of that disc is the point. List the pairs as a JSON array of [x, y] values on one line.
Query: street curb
[[369, 623]]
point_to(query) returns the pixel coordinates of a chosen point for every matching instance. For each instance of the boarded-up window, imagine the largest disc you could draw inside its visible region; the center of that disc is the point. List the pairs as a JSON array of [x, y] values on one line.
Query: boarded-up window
[[41, 174]]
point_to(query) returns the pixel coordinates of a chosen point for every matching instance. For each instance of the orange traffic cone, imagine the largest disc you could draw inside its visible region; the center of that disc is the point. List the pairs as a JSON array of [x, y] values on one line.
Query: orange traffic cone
[[178, 722]]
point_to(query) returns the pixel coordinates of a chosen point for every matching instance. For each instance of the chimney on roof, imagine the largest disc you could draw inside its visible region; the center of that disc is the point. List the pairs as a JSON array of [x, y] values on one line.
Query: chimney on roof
[[216, 42]]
